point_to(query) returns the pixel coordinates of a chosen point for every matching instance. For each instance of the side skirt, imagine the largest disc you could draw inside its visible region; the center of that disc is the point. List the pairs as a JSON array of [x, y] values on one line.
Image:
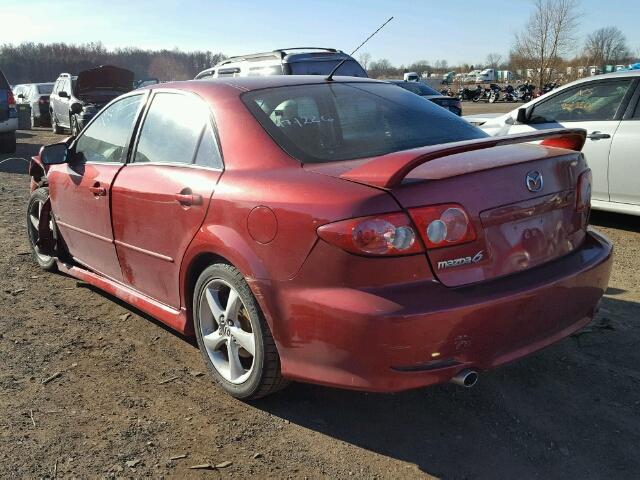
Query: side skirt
[[176, 319]]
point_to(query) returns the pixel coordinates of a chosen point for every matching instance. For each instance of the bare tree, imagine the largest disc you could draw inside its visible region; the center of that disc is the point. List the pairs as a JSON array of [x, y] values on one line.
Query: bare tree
[[606, 45], [548, 35], [494, 60], [364, 58]]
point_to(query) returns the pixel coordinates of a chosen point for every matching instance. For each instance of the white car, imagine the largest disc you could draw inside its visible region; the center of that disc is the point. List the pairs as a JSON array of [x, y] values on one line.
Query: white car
[[608, 108]]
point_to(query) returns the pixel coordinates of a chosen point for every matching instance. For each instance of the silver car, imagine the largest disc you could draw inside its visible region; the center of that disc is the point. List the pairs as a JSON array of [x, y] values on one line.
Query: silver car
[[608, 108]]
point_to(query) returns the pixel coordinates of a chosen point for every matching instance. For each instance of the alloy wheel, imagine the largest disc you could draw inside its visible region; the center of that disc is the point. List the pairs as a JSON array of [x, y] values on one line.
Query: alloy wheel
[[226, 331]]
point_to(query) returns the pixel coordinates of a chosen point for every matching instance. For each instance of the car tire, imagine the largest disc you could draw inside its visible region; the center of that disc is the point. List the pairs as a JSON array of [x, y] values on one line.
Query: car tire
[[263, 376], [8, 143], [36, 200], [75, 130], [55, 128]]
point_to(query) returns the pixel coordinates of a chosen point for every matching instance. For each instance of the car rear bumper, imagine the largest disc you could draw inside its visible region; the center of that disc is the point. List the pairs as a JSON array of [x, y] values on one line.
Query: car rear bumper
[[401, 337], [9, 125]]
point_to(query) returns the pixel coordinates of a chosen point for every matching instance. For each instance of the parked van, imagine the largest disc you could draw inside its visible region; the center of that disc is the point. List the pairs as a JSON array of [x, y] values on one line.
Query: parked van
[[288, 61]]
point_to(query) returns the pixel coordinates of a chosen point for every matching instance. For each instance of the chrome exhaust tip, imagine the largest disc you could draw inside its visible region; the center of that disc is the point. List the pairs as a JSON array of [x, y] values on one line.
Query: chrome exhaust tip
[[466, 378]]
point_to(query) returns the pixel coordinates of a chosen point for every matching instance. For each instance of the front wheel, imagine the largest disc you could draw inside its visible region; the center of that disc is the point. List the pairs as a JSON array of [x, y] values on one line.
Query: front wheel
[[233, 335], [34, 211]]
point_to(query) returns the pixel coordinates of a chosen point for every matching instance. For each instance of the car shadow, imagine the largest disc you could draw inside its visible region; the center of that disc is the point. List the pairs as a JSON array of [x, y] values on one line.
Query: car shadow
[[568, 411], [544, 416], [133, 310], [629, 223]]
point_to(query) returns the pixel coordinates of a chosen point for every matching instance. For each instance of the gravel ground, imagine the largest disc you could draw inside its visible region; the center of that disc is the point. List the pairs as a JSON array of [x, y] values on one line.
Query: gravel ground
[[90, 388]]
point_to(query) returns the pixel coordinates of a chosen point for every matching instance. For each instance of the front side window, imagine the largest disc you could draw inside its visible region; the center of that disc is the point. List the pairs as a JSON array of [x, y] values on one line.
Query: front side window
[[587, 102], [107, 138], [343, 121], [172, 129]]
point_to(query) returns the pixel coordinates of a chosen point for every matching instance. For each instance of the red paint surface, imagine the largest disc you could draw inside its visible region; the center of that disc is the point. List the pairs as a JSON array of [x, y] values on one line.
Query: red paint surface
[[338, 318]]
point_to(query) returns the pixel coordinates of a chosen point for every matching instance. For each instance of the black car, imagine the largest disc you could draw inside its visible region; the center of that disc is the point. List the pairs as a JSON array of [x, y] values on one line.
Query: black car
[[77, 99], [450, 103]]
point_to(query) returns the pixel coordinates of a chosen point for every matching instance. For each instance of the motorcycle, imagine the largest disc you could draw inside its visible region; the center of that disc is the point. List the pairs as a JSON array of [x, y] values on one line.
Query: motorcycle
[[466, 94], [509, 94], [447, 92], [524, 92], [490, 94]]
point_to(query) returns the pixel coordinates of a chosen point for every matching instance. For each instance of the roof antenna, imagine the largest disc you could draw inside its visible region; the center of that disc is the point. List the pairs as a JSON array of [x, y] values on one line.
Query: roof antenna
[[330, 77]]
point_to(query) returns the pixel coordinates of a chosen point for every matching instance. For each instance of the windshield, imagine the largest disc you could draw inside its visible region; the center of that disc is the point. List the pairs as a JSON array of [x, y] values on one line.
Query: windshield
[[343, 121], [45, 89], [350, 68]]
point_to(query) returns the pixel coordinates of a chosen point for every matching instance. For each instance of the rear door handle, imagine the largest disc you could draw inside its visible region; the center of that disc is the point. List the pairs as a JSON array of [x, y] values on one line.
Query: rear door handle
[[188, 199], [598, 135], [98, 191]]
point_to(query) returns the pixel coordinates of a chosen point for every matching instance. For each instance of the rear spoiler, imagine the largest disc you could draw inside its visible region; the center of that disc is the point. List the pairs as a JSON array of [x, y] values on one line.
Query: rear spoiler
[[388, 171]]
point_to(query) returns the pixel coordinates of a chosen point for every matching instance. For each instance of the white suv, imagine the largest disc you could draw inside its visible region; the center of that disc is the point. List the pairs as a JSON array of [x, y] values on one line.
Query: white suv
[[286, 61], [608, 108], [8, 117]]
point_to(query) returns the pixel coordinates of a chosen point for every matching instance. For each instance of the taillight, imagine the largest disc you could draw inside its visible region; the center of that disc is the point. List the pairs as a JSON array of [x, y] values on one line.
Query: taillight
[[388, 234], [583, 198], [443, 225], [570, 141], [43, 100], [11, 99]]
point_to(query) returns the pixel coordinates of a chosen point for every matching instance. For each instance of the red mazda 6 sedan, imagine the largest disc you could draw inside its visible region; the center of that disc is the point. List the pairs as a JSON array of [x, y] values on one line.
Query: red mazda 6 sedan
[[347, 232]]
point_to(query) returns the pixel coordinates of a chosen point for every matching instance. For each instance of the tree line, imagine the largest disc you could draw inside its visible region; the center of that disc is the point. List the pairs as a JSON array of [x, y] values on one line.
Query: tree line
[[546, 43], [43, 62]]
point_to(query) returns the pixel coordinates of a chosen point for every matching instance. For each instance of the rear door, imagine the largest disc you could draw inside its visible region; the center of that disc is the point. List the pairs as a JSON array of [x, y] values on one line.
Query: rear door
[[81, 190], [597, 107], [624, 159], [161, 198]]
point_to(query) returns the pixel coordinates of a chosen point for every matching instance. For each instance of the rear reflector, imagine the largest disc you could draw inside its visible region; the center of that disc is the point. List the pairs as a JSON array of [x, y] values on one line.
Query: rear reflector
[[388, 234], [443, 225]]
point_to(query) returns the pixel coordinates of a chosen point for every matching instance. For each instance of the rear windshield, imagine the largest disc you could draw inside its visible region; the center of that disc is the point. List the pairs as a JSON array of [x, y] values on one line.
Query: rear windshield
[[350, 68], [343, 121], [45, 89]]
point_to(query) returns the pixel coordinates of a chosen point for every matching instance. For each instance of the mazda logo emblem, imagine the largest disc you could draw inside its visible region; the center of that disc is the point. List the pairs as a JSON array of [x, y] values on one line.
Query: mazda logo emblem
[[534, 181]]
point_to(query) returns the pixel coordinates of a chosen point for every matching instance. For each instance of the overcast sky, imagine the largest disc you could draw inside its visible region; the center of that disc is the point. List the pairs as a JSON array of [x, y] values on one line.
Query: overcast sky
[[460, 32]]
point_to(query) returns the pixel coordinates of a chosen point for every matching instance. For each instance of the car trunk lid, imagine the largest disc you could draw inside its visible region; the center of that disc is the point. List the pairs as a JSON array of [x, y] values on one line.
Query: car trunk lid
[[515, 227], [105, 77]]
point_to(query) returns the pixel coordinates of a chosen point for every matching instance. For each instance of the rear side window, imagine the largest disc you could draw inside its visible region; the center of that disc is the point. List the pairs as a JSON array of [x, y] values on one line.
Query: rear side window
[[208, 153], [171, 129], [45, 89], [343, 121]]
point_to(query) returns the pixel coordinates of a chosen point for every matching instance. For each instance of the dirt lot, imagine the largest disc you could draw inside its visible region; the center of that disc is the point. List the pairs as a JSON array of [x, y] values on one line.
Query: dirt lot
[[126, 397]]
